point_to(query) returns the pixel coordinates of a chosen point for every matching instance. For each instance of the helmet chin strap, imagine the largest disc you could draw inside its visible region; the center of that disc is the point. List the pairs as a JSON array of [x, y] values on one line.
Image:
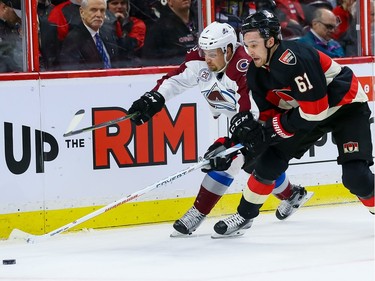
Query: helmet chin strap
[[226, 61], [268, 51]]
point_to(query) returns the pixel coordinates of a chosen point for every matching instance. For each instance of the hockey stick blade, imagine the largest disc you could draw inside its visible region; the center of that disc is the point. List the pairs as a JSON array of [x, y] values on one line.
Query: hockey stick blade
[[75, 121], [71, 132], [19, 235], [29, 238]]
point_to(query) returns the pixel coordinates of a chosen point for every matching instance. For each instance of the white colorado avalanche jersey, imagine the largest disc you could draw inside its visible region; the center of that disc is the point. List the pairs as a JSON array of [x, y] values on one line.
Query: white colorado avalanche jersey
[[226, 93]]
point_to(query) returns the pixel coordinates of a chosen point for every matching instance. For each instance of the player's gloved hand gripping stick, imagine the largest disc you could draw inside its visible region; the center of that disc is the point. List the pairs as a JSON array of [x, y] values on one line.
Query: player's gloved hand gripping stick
[[140, 112]]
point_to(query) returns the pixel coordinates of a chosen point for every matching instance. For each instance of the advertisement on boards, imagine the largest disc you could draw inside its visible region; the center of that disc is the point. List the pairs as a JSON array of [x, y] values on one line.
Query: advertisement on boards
[[42, 170]]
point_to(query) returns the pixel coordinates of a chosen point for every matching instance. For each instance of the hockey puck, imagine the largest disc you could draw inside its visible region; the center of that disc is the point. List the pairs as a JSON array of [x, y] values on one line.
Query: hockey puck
[[7, 262]]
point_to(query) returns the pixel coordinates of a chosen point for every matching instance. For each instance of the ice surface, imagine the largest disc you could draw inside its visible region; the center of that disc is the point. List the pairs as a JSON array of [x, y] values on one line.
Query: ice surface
[[317, 244]]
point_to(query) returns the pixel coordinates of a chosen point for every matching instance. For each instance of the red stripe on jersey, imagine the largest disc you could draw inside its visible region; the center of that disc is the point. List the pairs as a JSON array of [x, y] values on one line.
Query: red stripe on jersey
[[351, 94], [259, 188], [272, 97], [368, 202], [325, 61], [314, 107], [267, 114]]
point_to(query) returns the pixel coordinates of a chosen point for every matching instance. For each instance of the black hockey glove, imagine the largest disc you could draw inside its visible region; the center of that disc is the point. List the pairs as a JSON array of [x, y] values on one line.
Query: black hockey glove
[[247, 131], [254, 136], [219, 163], [147, 105]]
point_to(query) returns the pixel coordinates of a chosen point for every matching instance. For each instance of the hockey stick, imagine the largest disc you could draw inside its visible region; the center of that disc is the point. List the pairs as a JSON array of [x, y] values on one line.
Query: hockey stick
[[18, 234], [78, 117]]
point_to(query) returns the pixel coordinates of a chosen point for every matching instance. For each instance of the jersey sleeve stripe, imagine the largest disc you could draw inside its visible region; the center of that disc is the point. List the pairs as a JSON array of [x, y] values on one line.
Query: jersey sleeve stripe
[[325, 61], [314, 110]]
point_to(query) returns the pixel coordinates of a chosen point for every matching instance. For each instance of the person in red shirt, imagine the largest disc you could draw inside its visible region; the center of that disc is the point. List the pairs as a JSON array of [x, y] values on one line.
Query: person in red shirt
[[131, 31], [129, 26], [346, 33], [343, 11], [292, 17]]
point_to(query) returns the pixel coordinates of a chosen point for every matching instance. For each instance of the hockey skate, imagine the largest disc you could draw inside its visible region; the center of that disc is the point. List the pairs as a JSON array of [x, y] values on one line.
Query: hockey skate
[[189, 222], [289, 206], [233, 226]]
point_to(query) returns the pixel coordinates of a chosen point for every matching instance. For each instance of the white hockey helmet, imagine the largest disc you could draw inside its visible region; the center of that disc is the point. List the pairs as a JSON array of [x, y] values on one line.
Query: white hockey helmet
[[217, 35]]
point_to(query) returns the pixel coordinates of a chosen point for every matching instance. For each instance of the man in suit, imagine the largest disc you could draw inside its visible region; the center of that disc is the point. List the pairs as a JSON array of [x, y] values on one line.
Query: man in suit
[[88, 46]]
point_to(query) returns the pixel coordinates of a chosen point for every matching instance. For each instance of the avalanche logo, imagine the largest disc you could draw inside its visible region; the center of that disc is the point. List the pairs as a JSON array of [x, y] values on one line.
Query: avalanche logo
[[220, 99], [242, 65], [351, 147], [204, 75], [288, 58]]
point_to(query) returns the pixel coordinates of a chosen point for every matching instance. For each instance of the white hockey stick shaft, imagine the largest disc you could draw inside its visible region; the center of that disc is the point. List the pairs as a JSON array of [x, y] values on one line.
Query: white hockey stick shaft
[[34, 238], [78, 117]]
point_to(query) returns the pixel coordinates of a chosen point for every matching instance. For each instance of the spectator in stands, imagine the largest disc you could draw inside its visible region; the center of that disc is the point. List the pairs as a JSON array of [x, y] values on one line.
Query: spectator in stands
[[62, 18], [323, 25], [173, 34], [130, 31], [309, 6], [292, 18], [290, 14], [232, 12], [11, 54], [146, 10], [86, 46], [346, 33], [44, 9]]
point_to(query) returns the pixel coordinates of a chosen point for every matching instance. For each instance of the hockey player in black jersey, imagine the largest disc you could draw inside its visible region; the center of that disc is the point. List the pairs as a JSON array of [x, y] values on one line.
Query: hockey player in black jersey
[[301, 94]]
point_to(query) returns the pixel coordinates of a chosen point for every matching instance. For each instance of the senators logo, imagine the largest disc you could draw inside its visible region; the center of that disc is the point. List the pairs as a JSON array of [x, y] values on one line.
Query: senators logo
[[351, 147], [288, 58]]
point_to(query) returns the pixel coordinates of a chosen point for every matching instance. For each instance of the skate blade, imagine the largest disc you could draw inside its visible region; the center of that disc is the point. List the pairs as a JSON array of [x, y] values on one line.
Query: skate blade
[[176, 234], [309, 194], [232, 235]]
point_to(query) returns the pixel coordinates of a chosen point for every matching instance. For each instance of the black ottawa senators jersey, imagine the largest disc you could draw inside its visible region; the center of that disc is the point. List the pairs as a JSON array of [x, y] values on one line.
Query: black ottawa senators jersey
[[304, 84]]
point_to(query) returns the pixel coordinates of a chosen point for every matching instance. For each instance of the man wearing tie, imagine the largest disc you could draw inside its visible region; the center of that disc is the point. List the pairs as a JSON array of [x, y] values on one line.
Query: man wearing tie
[[87, 46]]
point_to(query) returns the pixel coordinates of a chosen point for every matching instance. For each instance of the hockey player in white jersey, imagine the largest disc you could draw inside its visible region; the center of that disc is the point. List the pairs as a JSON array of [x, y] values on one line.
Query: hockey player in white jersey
[[218, 66]]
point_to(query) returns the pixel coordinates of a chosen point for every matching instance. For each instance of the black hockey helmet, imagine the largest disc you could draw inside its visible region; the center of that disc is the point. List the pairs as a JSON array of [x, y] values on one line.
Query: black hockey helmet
[[265, 21]]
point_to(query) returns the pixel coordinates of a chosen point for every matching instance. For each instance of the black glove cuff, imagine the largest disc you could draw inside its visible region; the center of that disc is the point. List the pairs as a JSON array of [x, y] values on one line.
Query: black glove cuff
[[154, 100]]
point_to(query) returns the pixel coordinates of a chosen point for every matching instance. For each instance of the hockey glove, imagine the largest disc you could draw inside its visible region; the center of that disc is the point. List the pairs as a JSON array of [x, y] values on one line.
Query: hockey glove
[[256, 137], [219, 163], [147, 105]]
